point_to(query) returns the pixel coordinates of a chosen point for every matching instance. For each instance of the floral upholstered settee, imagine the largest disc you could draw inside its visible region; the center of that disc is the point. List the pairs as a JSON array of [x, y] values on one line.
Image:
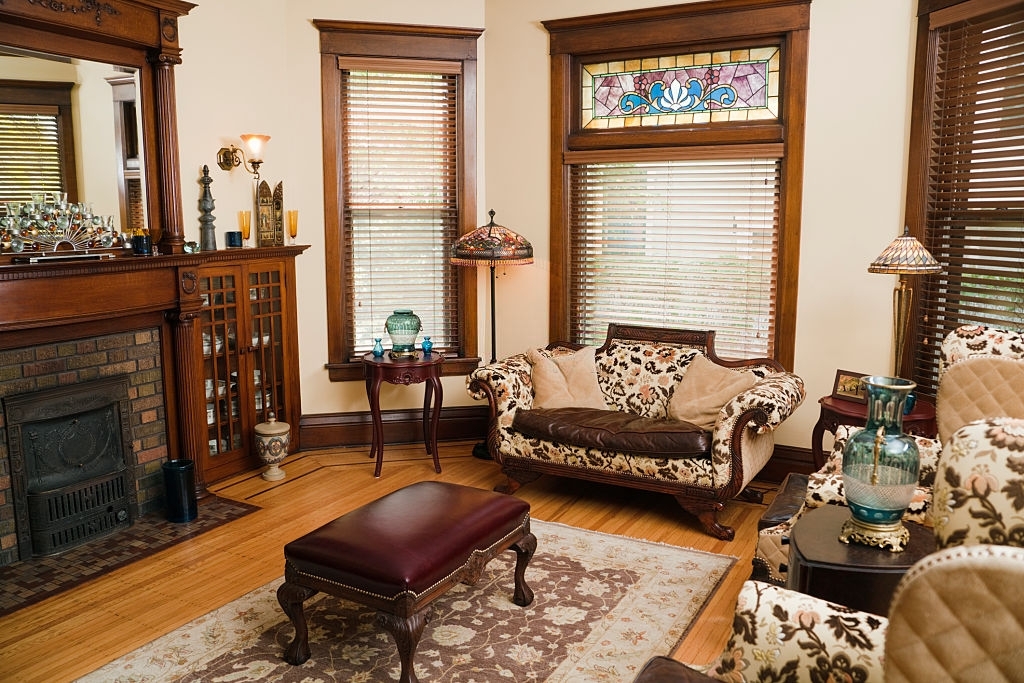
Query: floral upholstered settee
[[632, 433]]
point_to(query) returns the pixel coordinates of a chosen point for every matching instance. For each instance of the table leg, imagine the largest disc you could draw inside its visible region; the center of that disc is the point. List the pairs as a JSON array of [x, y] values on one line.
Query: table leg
[[377, 447], [435, 418], [428, 393], [373, 424]]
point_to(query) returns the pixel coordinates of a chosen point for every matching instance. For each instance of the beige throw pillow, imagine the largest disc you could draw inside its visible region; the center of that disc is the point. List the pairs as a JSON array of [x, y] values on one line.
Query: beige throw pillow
[[704, 389], [565, 381]]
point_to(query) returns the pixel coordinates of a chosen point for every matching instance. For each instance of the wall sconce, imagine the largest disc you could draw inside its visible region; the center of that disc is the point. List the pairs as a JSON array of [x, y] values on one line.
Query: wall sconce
[[229, 157]]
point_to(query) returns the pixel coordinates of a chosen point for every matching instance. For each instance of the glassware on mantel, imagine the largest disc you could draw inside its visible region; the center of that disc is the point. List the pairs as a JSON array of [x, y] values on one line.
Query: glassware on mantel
[[293, 224], [245, 225]]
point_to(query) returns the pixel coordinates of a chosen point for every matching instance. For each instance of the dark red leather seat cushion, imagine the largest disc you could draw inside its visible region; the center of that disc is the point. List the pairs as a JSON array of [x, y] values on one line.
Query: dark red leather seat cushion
[[407, 540], [614, 430]]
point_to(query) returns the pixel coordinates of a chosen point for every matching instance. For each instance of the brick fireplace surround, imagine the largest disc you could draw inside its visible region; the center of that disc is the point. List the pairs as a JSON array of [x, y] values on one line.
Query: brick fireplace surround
[[68, 323], [131, 354]]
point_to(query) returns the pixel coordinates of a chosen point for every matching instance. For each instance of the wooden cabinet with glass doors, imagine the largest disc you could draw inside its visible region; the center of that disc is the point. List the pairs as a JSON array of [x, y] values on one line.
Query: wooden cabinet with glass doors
[[249, 348]]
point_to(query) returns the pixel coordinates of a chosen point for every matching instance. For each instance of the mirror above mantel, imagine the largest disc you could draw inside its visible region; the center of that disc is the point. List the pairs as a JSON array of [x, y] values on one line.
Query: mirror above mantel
[[133, 46]]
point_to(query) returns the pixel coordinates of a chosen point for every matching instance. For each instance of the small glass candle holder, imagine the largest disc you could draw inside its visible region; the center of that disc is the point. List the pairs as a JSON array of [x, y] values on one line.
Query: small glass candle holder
[[245, 225], [293, 224]]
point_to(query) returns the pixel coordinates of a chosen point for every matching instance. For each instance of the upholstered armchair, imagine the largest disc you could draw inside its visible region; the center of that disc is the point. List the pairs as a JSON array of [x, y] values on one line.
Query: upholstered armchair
[[957, 615], [981, 372]]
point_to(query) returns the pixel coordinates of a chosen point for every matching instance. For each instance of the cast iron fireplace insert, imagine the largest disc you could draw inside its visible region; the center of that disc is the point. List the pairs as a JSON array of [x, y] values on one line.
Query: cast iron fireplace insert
[[72, 464]]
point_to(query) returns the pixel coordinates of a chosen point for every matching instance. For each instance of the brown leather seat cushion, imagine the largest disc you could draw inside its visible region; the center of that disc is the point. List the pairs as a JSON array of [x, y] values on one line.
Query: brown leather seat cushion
[[408, 540], [614, 430]]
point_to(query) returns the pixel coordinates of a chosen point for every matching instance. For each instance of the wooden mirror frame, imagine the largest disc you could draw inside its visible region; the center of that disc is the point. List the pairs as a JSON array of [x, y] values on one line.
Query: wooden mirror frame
[[139, 33]]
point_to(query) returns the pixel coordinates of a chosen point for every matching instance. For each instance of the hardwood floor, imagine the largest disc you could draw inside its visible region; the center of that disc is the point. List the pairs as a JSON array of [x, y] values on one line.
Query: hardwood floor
[[74, 633]]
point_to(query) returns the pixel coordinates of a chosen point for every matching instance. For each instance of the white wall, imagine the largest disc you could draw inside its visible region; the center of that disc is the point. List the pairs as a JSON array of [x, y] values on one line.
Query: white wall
[[253, 66]]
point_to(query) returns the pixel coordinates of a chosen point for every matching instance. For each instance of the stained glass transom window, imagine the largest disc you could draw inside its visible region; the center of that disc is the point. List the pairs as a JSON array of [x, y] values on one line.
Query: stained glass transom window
[[704, 87]]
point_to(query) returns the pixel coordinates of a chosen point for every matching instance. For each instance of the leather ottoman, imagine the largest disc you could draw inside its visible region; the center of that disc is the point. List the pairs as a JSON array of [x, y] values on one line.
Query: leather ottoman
[[400, 552]]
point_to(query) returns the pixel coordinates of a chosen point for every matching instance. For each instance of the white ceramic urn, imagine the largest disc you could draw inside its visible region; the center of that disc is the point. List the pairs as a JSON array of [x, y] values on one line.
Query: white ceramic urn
[[272, 439]]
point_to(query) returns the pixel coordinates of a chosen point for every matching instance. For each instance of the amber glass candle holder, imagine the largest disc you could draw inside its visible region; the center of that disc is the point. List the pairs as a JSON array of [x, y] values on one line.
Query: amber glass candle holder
[[293, 224], [245, 224]]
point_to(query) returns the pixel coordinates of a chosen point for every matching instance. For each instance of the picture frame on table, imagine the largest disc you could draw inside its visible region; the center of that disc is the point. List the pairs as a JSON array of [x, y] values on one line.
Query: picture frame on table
[[849, 387]]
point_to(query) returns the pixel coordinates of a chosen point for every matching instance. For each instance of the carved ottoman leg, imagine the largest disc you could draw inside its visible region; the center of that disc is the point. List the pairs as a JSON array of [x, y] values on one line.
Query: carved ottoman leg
[[291, 596], [524, 547], [406, 633]]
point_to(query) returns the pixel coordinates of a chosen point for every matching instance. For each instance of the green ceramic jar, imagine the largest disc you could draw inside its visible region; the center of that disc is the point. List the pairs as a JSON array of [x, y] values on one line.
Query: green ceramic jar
[[403, 326]]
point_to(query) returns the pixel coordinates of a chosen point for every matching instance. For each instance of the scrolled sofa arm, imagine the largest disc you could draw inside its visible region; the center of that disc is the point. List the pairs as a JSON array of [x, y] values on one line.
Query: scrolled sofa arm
[[506, 383], [742, 439], [776, 396]]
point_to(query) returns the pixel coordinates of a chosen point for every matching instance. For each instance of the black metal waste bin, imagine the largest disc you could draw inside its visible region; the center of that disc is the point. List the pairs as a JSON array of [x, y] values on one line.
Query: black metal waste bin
[[180, 490]]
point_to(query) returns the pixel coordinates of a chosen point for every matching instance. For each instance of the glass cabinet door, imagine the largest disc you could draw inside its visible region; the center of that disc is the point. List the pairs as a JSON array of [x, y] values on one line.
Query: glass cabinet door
[[266, 306], [244, 333], [221, 326]]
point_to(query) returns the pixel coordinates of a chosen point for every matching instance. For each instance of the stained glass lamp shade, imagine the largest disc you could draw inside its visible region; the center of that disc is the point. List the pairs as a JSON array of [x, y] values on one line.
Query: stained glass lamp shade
[[904, 256], [492, 245]]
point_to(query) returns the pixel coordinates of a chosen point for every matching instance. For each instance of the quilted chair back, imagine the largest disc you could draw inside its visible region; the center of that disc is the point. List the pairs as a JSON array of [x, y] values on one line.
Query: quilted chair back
[[981, 374], [958, 615], [979, 485]]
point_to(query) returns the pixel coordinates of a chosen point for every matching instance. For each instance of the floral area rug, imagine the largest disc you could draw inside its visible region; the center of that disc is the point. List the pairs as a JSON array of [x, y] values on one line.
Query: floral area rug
[[603, 606]]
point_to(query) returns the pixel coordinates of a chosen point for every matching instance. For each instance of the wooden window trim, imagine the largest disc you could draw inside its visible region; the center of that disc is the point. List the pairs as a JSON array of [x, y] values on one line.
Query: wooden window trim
[[372, 41], [656, 30]]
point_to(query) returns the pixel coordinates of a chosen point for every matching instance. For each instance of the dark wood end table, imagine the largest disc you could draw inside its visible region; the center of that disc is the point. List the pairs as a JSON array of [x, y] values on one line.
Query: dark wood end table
[[857, 576], [411, 370], [835, 411]]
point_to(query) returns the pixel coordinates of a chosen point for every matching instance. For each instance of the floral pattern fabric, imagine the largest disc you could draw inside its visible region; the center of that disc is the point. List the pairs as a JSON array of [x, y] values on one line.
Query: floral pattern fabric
[[786, 636], [978, 340], [979, 492]]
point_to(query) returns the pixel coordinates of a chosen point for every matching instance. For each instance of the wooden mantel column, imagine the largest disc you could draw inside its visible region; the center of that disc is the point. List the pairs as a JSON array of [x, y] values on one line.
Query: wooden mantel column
[[172, 238], [191, 419]]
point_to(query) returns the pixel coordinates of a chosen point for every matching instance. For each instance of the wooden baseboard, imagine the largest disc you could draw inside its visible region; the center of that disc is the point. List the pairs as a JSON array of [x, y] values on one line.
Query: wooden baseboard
[[785, 460], [330, 430]]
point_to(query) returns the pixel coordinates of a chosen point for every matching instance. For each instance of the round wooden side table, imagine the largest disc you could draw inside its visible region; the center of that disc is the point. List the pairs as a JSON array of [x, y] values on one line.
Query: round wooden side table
[[857, 576], [835, 411], [421, 368]]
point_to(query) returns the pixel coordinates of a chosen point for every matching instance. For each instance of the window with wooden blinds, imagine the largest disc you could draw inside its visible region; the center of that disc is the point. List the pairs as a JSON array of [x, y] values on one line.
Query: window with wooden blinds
[[399, 186], [973, 208], [676, 159], [400, 201], [678, 244]]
